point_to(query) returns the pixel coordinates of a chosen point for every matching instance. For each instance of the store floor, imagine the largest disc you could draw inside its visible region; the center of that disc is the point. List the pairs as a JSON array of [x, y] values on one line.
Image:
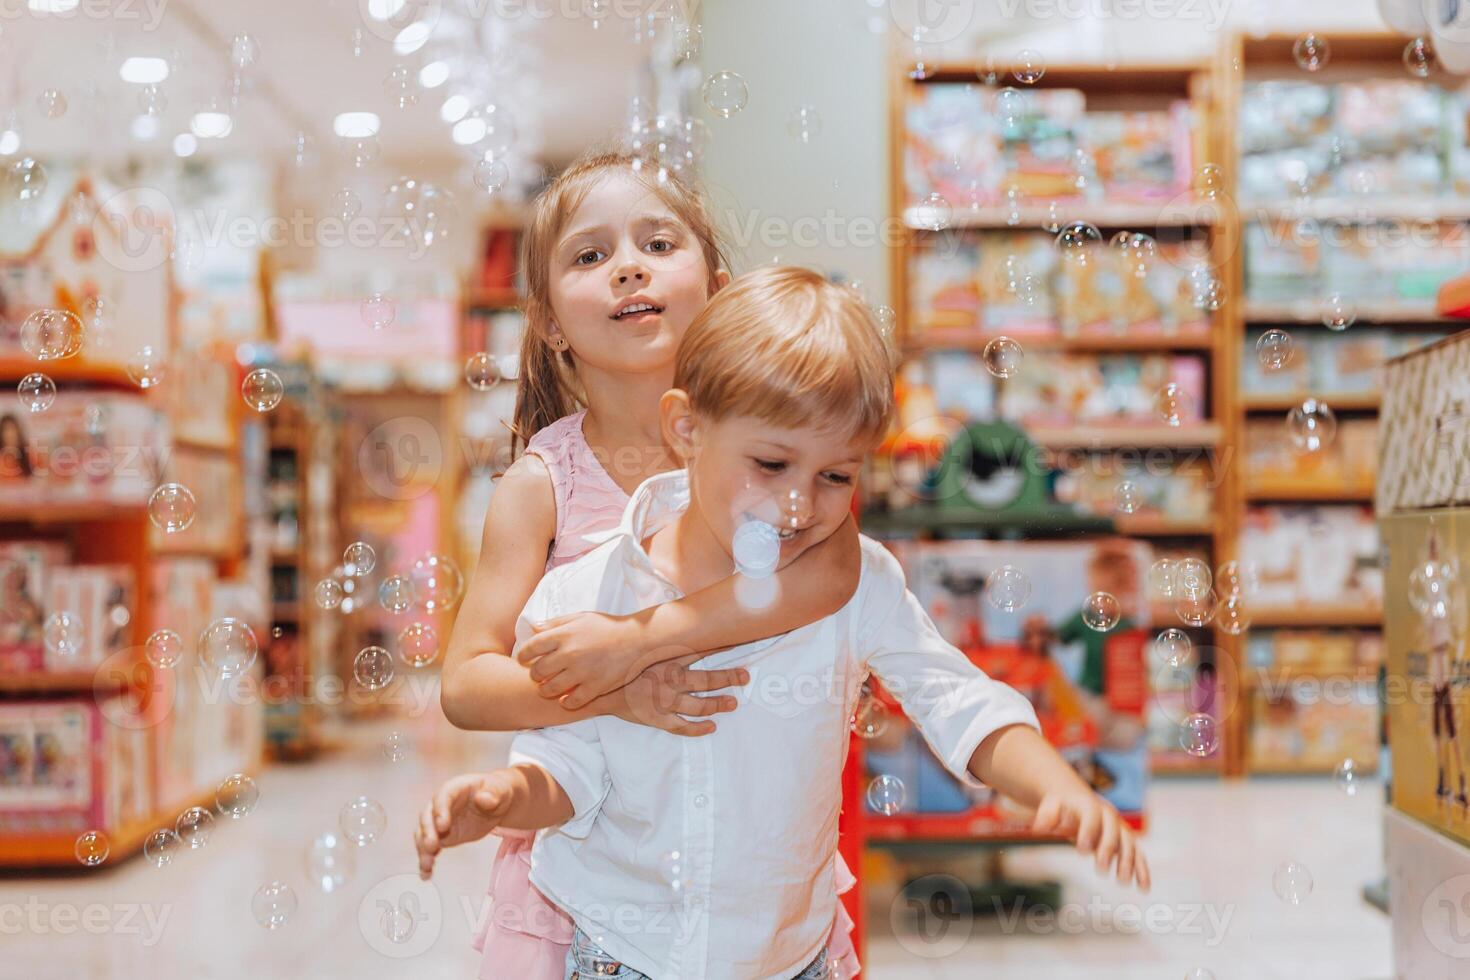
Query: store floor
[[1213, 847]]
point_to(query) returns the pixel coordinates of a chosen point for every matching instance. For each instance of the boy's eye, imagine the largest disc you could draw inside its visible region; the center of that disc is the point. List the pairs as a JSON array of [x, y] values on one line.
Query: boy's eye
[[770, 465], [841, 479]]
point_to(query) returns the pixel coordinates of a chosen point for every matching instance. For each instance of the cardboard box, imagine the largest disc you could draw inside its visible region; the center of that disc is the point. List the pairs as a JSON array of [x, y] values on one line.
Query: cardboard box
[[24, 568], [1428, 899], [1424, 440], [101, 597]]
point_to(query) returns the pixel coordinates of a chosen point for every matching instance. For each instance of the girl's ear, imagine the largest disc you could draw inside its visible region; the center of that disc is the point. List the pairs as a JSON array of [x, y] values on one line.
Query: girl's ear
[[722, 279]]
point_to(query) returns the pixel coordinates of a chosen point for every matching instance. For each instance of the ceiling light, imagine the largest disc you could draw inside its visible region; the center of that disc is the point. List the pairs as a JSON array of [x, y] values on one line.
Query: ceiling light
[[211, 125], [434, 74], [385, 9], [185, 144], [146, 128], [355, 125], [454, 108], [412, 37], [9, 142], [144, 71], [468, 132]]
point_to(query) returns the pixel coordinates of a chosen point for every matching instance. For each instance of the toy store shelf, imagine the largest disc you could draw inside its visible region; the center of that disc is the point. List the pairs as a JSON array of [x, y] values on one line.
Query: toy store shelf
[[1135, 76], [69, 370], [912, 519], [1279, 677], [936, 337], [1101, 214], [1170, 765], [1400, 207], [69, 512], [204, 445], [1303, 767], [1319, 614], [492, 299], [51, 681], [1400, 311], [1361, 401], [1315, 491], [1160, 526], [1127, 436], [982, 825]]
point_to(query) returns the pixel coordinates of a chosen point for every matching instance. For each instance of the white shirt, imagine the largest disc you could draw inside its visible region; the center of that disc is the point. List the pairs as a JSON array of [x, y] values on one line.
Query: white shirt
[[751, 810]]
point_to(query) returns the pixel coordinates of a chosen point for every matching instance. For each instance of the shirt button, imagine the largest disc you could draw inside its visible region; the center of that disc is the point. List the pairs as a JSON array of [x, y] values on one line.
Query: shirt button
[[701, 800]]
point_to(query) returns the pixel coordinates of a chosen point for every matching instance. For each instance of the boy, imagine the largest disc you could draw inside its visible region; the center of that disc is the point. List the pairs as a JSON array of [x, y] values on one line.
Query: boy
[[714, 857]]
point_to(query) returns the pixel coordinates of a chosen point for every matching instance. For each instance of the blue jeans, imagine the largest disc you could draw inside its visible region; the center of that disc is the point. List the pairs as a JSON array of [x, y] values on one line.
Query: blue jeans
[[587, 961]]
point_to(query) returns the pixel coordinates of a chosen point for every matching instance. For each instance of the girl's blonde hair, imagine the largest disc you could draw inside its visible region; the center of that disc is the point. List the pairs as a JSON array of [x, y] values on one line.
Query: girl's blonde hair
[[785, 345], [547, 388]]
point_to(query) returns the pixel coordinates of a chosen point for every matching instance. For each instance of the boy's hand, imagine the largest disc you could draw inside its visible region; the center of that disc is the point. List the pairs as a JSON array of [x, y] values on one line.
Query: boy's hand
[[464, 809], [1097, 828], [667, 695], [580, 657]]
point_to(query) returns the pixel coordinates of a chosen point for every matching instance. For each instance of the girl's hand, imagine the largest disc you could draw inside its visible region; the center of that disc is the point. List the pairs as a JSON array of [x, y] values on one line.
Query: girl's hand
[[1097, 828], [581, 657], [666, 696], [464, 809]]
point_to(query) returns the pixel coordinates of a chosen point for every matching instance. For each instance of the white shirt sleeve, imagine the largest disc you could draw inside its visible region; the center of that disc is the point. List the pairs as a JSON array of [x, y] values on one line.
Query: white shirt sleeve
[[571, 754], [953, 703]]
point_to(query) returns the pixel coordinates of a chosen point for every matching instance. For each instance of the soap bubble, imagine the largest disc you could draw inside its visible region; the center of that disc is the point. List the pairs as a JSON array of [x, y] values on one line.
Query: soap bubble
[[52, 103], [1311, 425], [933, 212], [243, 51], [1292, 883], [421, 213], [1135, 252], [1311, 52], [262, 389], [1192, 576], [437, 583], [1209, 181], [497, 129], [373, 668], [418, 644], [228, 647], [1196, 609], [1338, 312], [1003, 357], [328, 593], [1029, 67], [491, 175], [401, 87], [726, 93], [161, 846], [92, 848], [171, 508], [1175, 646], [1127, 497], [1076, 240], [688, 41], [1199, 734], [274, 904], [62, 634], [146, 367], [379, 310], [346, 205], [871, 717], [757, 548], [1007, 588], [362, 820], [395, 594], [805, 124], [164, 648], [49, 335], [396, 747], [481, 372], [1418, 57], [362, 150], [236, 796], [1233, 578], [27, 180], [329, 862], [359, 558], [151, 100], [886, 795], [1274, 349], [1163, 578], [36, 391], [1432, 586], [194, 827], [1231, 615], [1101, 611], [1173, 404]]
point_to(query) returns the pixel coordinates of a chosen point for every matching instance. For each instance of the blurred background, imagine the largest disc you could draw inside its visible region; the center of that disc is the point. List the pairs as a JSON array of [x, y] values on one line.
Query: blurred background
[[1178, 451]]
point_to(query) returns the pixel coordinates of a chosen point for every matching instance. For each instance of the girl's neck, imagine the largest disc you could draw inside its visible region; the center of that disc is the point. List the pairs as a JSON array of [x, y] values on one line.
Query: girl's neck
[[622, 425]]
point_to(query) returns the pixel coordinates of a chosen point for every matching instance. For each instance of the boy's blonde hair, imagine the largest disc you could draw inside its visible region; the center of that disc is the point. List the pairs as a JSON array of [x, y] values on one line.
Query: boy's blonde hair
[[785, 345], [547, 388]]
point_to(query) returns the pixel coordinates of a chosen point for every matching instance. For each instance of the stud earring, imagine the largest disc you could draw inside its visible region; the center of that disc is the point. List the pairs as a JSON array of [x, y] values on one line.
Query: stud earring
[[558, 343]]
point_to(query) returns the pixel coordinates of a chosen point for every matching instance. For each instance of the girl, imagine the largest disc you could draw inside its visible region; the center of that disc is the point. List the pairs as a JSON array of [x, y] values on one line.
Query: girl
[[617, 267]]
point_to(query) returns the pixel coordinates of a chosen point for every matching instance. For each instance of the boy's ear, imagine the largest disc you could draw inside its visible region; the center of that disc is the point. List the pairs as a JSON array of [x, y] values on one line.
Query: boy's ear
[[678, 425]]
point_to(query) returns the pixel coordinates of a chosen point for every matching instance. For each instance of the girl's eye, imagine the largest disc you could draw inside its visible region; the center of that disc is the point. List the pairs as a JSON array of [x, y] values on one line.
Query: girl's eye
[[583, 258], [661, 245]]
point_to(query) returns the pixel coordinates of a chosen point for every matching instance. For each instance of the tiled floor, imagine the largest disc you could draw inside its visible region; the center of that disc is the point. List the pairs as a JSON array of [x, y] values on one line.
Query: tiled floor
[[1213, 848]]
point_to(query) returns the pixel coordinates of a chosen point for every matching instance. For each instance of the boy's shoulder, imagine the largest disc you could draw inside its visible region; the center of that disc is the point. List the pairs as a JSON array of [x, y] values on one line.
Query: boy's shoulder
[[577, 586], [881, 572]]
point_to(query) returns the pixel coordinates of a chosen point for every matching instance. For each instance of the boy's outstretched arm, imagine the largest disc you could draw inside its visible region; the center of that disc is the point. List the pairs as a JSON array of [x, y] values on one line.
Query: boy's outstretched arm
[[579, 658], [1019, 763]]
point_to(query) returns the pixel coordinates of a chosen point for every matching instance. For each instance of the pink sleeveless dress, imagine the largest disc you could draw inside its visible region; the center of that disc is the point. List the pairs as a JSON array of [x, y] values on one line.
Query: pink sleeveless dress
[[525, 936]]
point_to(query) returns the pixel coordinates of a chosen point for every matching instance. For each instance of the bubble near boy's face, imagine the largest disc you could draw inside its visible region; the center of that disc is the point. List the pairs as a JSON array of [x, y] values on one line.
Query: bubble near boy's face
[[799, 480], [628, 276]]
